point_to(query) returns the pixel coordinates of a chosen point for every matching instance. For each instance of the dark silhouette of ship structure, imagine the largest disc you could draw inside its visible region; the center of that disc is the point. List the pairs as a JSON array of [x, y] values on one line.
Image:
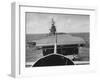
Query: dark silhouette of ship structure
[[58, 49]]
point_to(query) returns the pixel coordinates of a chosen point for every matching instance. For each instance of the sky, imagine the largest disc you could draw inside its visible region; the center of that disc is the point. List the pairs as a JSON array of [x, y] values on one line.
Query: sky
[[39, 23]]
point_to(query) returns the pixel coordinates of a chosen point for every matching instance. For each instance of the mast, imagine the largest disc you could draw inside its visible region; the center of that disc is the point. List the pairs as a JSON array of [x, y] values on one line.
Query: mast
[[54, 32], [55, 45]]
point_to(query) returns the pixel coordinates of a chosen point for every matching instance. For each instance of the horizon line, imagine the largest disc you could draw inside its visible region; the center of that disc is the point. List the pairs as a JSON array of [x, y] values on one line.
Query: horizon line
[[59, 32]]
